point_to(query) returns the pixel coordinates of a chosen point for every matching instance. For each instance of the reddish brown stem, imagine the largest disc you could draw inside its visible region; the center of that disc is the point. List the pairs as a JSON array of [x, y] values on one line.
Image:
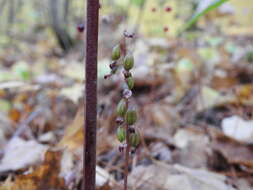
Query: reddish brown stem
[[126, 154], [127, 128], [91, 94], [126, 158]]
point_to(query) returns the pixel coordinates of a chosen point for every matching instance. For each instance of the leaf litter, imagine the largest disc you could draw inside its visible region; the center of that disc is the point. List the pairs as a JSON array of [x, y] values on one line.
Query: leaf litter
[[195, 108]]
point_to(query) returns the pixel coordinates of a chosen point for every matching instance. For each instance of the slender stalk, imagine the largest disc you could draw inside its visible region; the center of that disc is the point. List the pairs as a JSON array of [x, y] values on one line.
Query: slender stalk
[[125, 115], [126, 155], [91, 94]]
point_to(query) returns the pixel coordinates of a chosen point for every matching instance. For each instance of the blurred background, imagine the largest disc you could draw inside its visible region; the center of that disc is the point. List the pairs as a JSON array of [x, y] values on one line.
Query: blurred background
[[193, 90]]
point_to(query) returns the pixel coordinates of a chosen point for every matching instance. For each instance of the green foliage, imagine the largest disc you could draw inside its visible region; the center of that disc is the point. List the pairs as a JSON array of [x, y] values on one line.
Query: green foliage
[[214, 5], [22, 70], [250, 56], [138, 3]]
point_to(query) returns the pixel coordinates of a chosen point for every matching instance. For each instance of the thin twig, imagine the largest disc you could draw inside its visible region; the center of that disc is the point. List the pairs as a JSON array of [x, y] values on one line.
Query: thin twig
[[24, 124]]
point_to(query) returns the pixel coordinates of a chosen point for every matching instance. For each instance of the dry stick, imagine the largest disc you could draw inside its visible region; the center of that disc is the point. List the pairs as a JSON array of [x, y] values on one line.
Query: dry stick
[[24, 124], [91, 95]]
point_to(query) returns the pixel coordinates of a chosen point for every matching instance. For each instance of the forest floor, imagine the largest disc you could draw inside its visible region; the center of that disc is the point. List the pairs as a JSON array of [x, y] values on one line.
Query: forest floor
[[194, 97]]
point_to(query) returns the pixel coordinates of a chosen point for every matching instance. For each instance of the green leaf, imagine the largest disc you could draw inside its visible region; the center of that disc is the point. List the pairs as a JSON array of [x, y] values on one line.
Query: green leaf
[[250, 56], [22, 70], [138, 3], [214, 5]]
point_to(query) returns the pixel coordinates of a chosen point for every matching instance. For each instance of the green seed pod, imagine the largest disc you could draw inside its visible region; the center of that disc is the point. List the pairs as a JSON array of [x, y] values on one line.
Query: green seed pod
[[121, 134], [128, 62], [121, 108], [131, 117], [130, 82], [116, 53], [135, 139]]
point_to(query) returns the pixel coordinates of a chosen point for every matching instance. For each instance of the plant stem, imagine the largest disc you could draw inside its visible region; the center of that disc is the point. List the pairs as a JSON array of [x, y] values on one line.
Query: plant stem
[[90, 95], [126, 154], [126, 158]]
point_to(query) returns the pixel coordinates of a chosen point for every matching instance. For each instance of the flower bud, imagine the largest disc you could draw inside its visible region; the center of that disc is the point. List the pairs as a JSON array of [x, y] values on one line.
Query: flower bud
[[121, 134], [133, 150], [121, 108], [121, 148], [131, 117], [131, 130], [168, 9], [127, 74], [113, 64], [127, 93], [114, 70], [134, 139], [130, 82], [128, 62], [128, 34], [107, 76], [116, 53], [80, 27], [119, 120]]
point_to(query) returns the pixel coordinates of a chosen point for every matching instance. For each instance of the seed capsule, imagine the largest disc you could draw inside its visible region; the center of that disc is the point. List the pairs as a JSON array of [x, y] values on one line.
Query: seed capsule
[[131, 117], [116, 53], [135, 139], [121, 108], [128, 62], [130, 82], [121, 134]]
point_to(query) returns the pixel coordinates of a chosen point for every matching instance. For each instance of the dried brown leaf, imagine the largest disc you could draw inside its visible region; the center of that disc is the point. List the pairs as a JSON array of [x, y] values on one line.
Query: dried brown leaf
[[44, 177]]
